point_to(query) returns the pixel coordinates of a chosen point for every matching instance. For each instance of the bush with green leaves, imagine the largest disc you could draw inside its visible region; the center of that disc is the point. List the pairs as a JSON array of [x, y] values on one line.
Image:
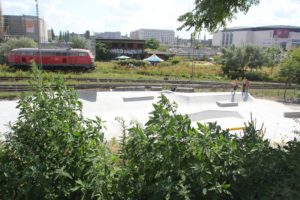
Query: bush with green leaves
[[13, 43], [170, 159], [52, 151], [133, 63]]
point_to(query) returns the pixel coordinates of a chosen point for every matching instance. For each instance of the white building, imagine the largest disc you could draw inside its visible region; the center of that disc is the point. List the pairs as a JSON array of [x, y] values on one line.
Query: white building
[[163, 36], [288, 37], [109, 35]]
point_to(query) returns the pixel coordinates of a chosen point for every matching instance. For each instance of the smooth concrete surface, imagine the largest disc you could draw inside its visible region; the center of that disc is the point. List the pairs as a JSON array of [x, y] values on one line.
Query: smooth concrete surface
[[200, 107]]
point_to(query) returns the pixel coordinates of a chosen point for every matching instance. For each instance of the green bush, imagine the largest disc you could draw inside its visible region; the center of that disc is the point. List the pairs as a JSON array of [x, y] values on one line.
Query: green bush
[[169, 159], [133, 63], [51, 151], [257, 76]]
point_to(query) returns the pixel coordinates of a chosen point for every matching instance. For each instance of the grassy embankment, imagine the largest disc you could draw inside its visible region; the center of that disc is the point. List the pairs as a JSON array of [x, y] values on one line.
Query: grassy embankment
[[181, 71]]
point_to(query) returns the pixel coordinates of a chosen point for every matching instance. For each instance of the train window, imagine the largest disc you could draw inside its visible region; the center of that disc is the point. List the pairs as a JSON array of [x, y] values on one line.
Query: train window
[[82, 54], [58, 53], [64, 54]]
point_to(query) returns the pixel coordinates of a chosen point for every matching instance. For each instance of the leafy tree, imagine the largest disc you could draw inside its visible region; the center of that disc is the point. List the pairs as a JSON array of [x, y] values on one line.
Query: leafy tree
[[255, 57], [152, 43], [79, 43], [52, 151], [237, 60], [102, 52], [290, 68], [213, 14], [274, 55], [13, 43], [233, 62]]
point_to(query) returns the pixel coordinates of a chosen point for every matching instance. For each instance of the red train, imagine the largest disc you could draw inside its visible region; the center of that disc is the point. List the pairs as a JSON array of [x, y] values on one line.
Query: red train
[[52, 58]]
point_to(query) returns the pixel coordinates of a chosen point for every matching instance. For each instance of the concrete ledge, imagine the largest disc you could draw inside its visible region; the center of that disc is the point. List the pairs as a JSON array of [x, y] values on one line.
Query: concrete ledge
[[184, 89], [145, 98], [227, 103], [291, 114], [156, 88], [135, 88]]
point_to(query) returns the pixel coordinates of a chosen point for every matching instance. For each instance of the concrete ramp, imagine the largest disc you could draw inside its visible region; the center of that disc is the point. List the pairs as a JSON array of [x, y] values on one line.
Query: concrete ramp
[[227, 103], [87, 95], [141, 98], [291, 114], [214, 114], [211, 97]]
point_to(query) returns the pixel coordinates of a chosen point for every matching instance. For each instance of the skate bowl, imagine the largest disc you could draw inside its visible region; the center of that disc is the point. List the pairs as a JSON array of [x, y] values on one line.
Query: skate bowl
[[135, 106]]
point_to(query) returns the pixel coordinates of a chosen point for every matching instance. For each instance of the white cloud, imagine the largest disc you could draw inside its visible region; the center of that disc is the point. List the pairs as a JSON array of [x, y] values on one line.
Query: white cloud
[[129, 15], [18, 6]]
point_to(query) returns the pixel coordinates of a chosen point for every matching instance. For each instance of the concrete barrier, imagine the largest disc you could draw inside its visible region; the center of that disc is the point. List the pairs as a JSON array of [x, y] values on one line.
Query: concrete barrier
[[184, 89], [87, 95], [214, 114], [144, 98], [134, 88], [291, 114], [227, 103], [156, 88]]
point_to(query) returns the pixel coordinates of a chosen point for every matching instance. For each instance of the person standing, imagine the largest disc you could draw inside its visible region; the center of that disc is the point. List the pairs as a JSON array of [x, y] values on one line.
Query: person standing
[[245, 87]]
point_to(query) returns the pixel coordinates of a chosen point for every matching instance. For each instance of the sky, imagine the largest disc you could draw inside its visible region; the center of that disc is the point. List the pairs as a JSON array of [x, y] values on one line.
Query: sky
[[129, 15]]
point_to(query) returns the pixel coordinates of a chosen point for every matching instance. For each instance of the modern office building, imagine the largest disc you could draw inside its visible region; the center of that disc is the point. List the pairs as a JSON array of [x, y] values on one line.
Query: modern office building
[[25, 26], [163, 36], [288, 37]]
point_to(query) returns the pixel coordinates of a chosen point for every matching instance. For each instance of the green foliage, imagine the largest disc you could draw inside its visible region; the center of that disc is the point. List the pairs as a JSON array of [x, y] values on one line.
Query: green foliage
[[213, 14], [274, 55], [102, 52], [133, 63], [169, 159], [51, 151], [257, 76], [152, 44], [291, 66], [236, 61], [13, 43], [175, 60], [79, 43]]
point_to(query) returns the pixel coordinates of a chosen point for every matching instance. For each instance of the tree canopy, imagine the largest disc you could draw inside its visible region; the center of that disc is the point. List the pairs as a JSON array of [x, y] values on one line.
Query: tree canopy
[[237, 60], [213, 14], [152, 43], [15, 43], [79, 43], [290, 67]]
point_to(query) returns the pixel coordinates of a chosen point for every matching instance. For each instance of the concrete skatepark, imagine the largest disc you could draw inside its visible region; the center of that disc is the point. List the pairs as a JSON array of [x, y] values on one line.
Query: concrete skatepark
[[230, 111]]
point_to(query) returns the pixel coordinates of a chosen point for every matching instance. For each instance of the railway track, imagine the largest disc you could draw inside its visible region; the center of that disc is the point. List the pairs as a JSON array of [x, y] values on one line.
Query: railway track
[[106, 84]]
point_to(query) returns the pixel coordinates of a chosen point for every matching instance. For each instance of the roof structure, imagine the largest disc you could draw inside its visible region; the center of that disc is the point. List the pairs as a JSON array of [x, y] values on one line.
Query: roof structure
[[263, 28], [153, 59]]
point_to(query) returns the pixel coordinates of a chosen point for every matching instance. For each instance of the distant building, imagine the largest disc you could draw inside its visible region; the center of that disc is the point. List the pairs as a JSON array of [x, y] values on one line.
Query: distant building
[[25, 26], [288, 37], [109, 35], [163, 36], [118, 47]]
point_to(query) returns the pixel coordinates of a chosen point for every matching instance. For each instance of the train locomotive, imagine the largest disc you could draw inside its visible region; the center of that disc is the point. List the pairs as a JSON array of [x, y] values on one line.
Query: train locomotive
[[77, 59]]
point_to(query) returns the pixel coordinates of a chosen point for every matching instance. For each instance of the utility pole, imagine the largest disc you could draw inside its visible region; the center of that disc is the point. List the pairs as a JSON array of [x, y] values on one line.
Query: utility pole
[[38, 34]]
